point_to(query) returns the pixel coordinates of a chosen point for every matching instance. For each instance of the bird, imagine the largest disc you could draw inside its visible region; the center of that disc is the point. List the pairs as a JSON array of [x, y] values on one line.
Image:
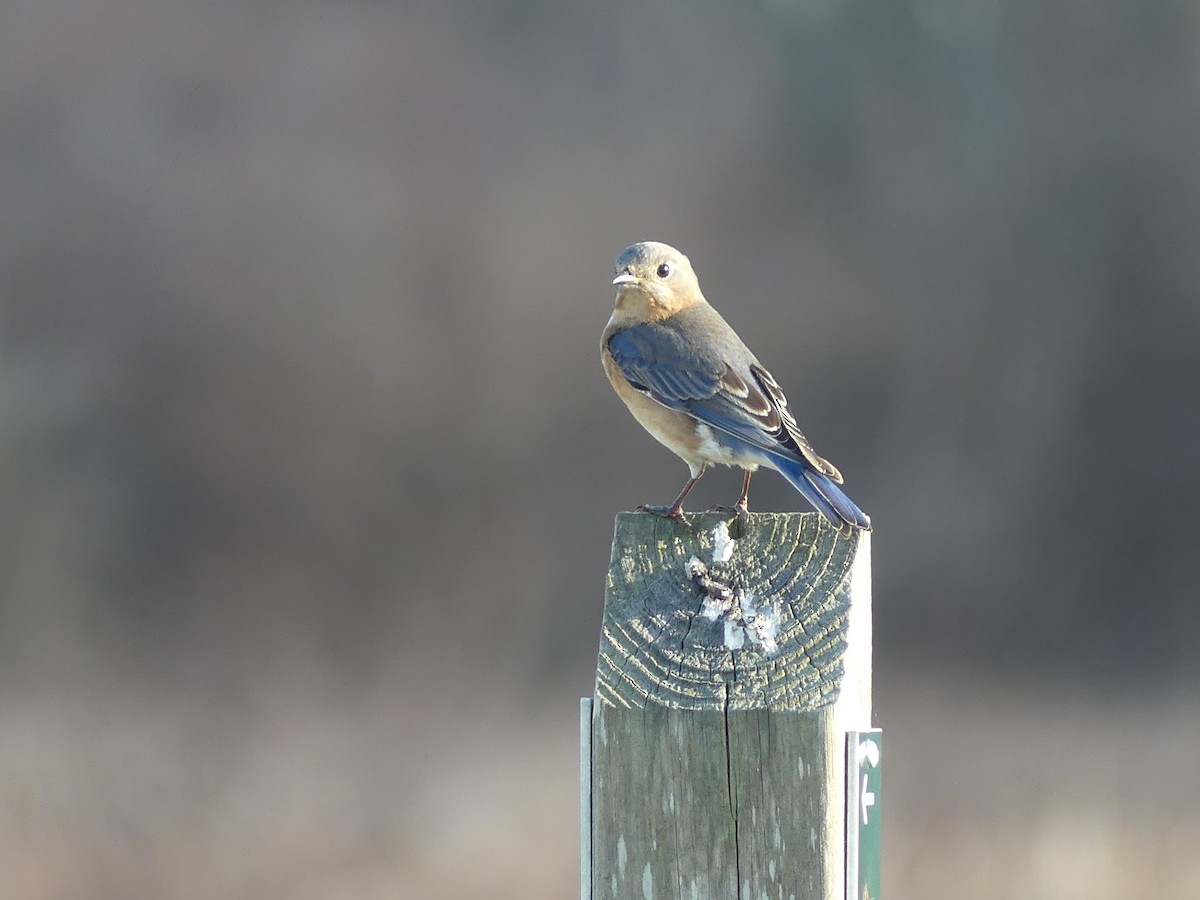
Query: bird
[[693, 384]]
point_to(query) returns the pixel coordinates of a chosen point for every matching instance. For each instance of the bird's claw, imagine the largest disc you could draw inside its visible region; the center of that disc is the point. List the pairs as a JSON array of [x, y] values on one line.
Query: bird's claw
[[739, 511], [667, 512]]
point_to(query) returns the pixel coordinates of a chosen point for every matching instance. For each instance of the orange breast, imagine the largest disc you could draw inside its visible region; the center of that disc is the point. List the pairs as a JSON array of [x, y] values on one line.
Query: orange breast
[[674, 430]]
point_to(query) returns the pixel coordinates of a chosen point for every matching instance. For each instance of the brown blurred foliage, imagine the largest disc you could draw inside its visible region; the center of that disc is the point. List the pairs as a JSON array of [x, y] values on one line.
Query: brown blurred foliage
[[305, 442]]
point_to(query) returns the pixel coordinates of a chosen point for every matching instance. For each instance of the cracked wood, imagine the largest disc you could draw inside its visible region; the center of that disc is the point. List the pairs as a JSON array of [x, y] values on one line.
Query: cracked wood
[[719, 772]]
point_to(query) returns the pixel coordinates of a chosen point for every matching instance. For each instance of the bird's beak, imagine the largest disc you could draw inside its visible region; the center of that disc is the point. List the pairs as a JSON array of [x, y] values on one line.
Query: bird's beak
[[625, 278]]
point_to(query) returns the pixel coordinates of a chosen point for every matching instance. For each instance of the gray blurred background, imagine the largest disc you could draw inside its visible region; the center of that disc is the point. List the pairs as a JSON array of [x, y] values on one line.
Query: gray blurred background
[[309, 468]]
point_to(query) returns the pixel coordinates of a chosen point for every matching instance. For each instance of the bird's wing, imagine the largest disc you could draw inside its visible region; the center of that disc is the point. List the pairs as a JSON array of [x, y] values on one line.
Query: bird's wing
[[657, 361], [794, 437], [696, 377]]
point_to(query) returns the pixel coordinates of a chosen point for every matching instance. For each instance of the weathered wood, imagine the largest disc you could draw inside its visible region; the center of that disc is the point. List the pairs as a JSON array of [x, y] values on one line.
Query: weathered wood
[[657, 649], [717, 744]]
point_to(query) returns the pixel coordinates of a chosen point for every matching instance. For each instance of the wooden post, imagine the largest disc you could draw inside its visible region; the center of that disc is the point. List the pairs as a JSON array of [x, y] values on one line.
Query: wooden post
[[731, 668]]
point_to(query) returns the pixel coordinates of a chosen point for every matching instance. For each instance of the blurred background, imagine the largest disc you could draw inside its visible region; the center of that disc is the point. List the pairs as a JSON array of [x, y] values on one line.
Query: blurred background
[[309, 467]]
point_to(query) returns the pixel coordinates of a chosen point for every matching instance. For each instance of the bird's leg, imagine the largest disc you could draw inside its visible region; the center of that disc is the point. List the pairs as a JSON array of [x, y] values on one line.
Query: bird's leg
[[742, 507], [743, 501], [675, 510]]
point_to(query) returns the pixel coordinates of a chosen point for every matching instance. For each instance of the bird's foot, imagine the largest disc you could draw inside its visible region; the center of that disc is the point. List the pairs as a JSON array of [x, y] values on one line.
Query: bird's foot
[[739, 511], [667, 512]]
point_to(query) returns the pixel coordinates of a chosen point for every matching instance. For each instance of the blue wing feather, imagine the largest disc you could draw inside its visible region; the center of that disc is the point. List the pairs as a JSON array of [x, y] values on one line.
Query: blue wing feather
[[658, 359]]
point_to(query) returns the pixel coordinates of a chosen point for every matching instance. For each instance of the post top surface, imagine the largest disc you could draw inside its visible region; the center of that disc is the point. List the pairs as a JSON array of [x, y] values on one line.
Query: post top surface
[[709, 615]]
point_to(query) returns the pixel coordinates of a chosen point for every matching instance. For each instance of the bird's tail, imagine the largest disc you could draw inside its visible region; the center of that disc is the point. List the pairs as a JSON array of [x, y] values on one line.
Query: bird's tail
[[825, 495]]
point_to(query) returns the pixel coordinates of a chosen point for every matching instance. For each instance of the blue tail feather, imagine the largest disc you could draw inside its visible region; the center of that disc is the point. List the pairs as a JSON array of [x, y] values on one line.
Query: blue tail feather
[[822, 493]]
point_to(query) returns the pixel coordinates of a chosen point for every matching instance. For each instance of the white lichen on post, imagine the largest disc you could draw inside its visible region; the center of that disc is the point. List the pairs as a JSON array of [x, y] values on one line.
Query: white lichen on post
[[723, 544], [735, 607]]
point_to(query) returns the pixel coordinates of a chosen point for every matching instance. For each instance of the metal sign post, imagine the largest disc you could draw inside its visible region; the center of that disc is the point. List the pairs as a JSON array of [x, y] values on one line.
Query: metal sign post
[[864, 806]]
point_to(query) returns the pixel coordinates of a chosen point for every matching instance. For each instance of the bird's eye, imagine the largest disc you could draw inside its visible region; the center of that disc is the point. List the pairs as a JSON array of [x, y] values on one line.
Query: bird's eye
[[664, 270]]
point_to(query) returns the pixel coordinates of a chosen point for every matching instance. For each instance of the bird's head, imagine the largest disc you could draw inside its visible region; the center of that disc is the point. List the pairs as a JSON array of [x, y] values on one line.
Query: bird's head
[[655, 280]]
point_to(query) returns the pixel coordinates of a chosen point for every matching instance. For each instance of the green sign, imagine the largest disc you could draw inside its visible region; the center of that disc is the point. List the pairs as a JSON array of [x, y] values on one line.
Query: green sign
[[864, 805]]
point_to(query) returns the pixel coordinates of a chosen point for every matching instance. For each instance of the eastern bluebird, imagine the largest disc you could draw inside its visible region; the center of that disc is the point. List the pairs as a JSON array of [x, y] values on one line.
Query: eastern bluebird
[[690, 381]]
